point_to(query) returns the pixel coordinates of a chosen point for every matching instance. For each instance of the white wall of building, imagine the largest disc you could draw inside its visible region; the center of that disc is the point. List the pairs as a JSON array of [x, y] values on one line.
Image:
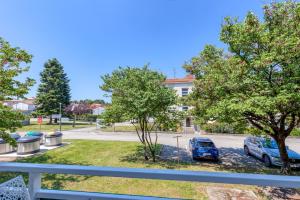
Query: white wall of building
[[98, 111], [23, 106], [178, 89]]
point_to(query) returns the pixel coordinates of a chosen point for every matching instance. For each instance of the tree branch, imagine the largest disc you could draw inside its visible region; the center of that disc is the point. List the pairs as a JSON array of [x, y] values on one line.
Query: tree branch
[[291, 125], [137, 131]]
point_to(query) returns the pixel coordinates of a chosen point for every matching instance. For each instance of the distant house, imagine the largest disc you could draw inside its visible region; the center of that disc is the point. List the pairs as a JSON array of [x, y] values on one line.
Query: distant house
[[97, 109], [183, 86], [26, 106]]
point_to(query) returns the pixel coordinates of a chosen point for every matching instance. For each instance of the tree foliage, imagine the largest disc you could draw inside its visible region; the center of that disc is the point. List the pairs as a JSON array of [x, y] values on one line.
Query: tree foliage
[[91, 101], [13, 61], [77, 109], [139, 95], [53, 89], [258, 81], [112, 115]]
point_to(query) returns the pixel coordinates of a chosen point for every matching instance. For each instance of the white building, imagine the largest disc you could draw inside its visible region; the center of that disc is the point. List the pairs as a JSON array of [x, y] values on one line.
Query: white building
[[27, 106], [183, 86], [97, 109]]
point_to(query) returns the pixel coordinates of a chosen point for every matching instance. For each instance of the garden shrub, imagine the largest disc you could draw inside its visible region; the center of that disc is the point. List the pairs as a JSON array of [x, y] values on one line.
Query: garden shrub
[[296, 132], [220, 127]]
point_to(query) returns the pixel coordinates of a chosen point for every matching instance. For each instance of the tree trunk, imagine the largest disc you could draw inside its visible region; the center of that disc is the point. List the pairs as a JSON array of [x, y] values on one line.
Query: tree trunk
[[145, 145], [153, 153], [286, 167], [50, 120], [74, 121], [145, 152]]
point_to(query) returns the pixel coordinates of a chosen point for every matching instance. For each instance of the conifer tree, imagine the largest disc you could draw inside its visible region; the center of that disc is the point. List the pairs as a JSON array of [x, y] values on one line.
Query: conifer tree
[[53, 89]]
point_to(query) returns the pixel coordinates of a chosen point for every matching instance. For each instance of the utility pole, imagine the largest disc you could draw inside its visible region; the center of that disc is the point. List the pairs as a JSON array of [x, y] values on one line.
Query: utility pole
[[59, 117], [174, 72]]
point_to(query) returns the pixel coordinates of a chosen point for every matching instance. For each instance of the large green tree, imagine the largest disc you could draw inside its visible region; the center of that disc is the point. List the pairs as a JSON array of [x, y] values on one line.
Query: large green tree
[[53, 89], [139, 95], [258, 80], [13, 62]]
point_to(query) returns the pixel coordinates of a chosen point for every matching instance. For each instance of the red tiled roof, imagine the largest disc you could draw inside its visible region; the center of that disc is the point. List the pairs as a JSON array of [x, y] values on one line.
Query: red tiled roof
[[29, 101], [96, 105], [187, 79]]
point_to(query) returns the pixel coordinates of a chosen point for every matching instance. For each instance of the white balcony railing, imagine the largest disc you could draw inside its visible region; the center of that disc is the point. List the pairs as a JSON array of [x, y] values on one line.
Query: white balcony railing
[[35, 171]]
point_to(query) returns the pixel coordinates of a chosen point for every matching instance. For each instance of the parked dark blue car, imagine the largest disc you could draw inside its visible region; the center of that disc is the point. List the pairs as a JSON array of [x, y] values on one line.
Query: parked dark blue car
[[203, 148]]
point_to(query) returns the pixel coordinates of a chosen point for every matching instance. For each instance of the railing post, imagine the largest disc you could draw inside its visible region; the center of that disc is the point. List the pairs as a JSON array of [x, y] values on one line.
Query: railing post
[[34, 184]]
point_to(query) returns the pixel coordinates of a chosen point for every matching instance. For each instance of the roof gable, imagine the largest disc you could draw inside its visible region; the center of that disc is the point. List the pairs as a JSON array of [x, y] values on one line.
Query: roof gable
[[187, 79]]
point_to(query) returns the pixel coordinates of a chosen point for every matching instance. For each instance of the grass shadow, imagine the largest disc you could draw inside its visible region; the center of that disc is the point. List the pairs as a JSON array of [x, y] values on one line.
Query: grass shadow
[[138, 157], [51, 181]]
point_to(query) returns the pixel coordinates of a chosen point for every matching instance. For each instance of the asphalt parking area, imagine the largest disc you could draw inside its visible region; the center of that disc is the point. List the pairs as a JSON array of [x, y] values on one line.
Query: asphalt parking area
[[230, 158]]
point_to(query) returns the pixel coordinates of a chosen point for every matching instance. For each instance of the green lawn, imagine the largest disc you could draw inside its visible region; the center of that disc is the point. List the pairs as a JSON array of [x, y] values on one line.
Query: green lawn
[[118, 154], [53, 127]]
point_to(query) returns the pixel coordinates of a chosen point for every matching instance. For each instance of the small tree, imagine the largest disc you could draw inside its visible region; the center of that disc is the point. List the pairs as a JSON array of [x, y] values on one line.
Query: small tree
[[139, 95], [259, 81], [53, 89], [77, 109], [112, 115], [12, 60]]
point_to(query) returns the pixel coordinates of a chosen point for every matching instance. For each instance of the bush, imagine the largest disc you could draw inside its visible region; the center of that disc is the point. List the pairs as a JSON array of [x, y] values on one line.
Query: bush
[[296, 132], [219, 127], [91, 118], [86, 117]]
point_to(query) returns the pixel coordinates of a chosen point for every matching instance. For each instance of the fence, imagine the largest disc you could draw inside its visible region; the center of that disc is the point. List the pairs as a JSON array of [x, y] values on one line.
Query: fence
[[36, 170]]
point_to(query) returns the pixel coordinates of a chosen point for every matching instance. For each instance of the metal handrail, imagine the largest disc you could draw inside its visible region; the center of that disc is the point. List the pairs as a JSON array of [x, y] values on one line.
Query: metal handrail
[[35, 171]]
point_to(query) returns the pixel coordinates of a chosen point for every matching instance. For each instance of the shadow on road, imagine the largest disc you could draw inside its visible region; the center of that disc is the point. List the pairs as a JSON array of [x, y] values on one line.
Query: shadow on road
[[231, 159], [171, 153], [162, 162], [281, 193], [234, 159]]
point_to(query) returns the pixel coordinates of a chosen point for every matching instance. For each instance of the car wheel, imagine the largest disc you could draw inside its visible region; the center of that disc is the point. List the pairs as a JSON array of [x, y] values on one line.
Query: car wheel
[[246, 150], [267, 161]]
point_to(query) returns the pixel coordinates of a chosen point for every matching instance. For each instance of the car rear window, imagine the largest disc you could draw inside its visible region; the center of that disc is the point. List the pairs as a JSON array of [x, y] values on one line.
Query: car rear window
[[205, 144]]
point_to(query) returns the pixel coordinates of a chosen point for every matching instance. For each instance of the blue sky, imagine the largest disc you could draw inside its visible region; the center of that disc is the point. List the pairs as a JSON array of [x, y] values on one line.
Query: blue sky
[[93, 37]]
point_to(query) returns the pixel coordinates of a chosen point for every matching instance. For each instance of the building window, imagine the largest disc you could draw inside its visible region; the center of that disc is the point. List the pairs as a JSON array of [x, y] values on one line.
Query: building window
[[184, 91], [185, 108]]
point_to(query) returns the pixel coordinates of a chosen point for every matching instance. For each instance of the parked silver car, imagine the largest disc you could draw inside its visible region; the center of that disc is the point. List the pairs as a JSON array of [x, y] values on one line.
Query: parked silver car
[[267, 150]]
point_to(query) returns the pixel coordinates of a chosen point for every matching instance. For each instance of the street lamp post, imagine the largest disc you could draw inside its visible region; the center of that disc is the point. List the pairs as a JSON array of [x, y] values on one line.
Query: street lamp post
[[178, 153], [60, 117]]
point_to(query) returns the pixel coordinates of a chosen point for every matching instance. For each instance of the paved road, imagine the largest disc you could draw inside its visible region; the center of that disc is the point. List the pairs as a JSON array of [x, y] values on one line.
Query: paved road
[[221, 141]]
